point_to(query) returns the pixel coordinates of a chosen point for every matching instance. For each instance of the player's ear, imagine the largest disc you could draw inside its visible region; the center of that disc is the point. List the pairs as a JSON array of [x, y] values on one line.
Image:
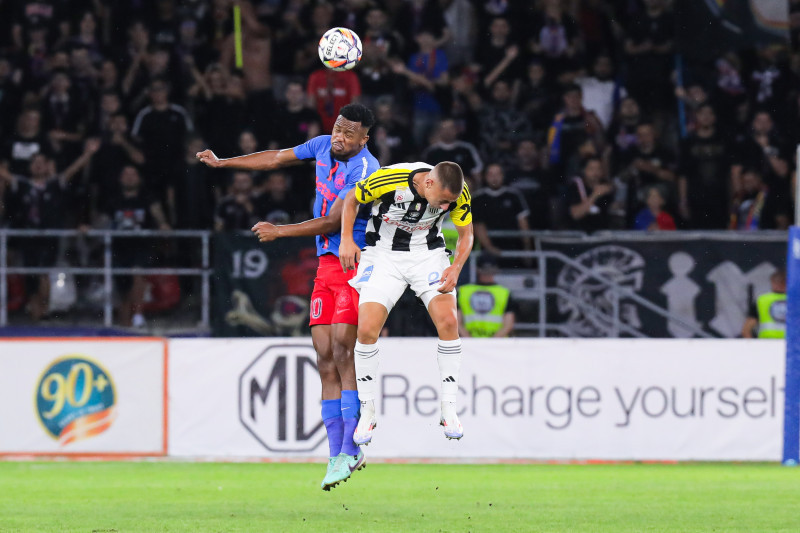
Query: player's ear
[[364, 141]]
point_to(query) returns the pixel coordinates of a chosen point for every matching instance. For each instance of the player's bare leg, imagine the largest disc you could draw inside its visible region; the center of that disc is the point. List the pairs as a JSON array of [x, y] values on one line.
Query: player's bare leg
[[331, 396], [371, 318], [443, 312]]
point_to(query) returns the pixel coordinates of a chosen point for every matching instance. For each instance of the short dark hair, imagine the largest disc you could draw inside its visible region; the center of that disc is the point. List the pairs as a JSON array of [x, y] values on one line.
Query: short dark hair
[[450, 176], [358, 113]]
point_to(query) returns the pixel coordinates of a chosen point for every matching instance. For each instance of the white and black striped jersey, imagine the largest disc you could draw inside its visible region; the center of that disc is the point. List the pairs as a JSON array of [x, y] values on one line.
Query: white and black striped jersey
[[401, 219]]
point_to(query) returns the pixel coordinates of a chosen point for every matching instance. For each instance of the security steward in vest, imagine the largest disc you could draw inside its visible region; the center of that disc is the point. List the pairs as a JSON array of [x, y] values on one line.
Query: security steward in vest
[[485, 309], [768, 315]]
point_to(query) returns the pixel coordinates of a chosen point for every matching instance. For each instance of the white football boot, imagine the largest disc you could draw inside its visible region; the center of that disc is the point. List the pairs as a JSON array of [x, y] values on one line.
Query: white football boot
[[367, 423], [452, 426]]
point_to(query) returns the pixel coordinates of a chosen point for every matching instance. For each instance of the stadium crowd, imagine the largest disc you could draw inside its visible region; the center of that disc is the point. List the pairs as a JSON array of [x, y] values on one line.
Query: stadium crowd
[[564, 114]]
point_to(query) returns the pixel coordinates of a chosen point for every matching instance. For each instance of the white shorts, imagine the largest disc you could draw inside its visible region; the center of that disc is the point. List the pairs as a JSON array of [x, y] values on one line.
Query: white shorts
[[383, 275]]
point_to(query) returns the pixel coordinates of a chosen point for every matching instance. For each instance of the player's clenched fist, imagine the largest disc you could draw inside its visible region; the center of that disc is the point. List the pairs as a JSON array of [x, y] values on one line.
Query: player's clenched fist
[[265, 231], [349, 254], [209, 158]]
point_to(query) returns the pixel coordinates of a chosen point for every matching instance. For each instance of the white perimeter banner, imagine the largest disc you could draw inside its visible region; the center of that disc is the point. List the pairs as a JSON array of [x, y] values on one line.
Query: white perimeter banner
[[88, 396], [520, 398]]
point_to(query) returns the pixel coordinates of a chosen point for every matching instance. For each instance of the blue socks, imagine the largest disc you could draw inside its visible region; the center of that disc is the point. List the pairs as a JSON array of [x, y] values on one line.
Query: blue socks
[[349, 413], [332, 416]]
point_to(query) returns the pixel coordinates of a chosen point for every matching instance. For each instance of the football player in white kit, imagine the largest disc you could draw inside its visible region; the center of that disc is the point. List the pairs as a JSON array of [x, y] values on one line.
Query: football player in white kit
[[405, 247]]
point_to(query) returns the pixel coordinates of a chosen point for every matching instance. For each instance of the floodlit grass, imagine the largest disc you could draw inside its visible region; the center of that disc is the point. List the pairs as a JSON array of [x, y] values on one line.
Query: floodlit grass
[[201, 497]]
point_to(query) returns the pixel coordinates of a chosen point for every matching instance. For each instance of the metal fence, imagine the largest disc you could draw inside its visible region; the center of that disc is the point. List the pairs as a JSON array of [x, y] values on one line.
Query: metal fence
[[107, 270], [541, 291], [537, 289]]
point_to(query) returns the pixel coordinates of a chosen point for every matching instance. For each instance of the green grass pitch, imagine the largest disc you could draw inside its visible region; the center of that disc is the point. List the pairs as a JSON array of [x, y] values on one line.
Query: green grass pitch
[[107, 497]]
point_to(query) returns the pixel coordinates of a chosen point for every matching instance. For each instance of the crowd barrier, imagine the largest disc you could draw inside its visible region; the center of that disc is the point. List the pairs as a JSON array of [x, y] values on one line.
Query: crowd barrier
[[538, 399]]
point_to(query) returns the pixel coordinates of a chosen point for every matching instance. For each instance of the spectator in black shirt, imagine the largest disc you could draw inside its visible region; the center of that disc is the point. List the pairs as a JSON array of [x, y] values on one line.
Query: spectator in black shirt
[[295, 122], [758, 207], [530, 179], [537, 96], [26, 142], [622, 134], [648, 51], [770, 81], [39, 202], [502, 125], [238, 210], [220, 108], [497, 207], [498, 50], [705, 170], [64, 117], [555, 38], [134, 209], [162, 128], [765, 151], [389, 140], [650, 165], [571, 128], [589, 197], [110, 105], [10, 96], [195, 192], [276, 204], [449, 148], [117, 151], [380, 33]]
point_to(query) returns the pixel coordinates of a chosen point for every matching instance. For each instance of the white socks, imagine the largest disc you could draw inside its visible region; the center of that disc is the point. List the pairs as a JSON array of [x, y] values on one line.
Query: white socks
[[366, 361], [449, 358]]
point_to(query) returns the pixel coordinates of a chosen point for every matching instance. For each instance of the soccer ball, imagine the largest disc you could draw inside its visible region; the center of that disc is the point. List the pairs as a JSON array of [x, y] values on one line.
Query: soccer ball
[[340, 49]]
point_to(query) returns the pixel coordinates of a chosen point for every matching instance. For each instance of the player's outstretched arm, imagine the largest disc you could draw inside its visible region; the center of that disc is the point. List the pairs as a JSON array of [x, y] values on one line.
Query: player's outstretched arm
[[266, 160], [463, 249], [330, 223], [349, 252]]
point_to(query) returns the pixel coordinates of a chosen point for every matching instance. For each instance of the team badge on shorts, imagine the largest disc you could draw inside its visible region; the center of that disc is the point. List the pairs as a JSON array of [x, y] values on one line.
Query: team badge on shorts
[[366, 275], [433, 278]]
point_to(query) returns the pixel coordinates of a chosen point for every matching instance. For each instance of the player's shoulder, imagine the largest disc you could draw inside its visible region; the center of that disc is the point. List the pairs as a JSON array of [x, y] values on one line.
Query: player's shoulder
[[321, 139], [320, 144], [466, 195]]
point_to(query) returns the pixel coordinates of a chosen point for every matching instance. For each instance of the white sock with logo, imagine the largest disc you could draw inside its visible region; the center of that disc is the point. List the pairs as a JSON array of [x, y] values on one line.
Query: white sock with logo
[[449, 358], [366, 362]]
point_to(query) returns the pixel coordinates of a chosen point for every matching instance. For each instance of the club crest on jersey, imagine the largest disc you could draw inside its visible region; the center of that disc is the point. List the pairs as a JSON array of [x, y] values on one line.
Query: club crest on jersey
[[414, 213], [339, 182]]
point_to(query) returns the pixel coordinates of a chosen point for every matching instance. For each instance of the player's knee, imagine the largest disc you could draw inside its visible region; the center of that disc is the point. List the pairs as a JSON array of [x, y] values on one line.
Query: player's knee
[[367, 336], [327, 368], [342, 351], [447, 324]]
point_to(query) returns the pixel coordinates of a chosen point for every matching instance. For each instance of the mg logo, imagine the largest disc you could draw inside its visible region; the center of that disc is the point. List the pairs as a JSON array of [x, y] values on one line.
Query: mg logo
[[279, 399]]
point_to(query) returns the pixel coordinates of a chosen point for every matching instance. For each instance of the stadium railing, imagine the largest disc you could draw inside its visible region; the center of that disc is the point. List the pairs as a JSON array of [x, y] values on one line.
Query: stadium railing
[[533, 283], [108, 271]]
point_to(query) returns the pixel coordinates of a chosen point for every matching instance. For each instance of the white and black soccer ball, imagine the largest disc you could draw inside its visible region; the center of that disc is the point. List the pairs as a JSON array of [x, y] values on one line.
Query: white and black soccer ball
[[340, 49]]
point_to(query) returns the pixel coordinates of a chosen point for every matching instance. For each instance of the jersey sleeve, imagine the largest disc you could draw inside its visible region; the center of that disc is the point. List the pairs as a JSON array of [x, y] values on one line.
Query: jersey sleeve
[[380, 182], [310, 149], [461, 215]]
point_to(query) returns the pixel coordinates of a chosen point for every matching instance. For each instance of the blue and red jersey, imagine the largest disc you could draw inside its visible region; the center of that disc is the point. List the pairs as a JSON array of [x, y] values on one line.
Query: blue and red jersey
[[335, 178]]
